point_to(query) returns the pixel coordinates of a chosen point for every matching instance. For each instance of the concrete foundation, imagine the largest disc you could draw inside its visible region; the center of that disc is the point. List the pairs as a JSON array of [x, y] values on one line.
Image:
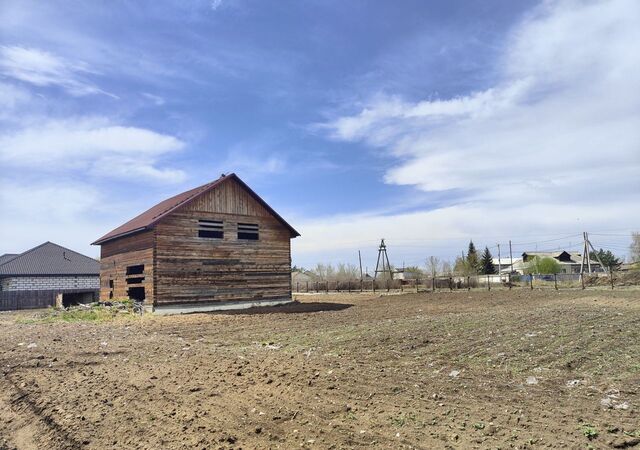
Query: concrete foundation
[[217, 306]]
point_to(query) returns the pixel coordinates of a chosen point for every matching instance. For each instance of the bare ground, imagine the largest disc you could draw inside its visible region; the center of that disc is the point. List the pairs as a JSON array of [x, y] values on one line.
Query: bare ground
[[500, 369]]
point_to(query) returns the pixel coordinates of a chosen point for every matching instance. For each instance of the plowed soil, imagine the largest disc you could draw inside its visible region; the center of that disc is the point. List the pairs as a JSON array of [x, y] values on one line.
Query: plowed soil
[[499, 369]]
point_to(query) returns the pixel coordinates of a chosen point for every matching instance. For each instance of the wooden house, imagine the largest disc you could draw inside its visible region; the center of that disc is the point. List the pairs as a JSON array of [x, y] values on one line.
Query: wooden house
[[218, 246]]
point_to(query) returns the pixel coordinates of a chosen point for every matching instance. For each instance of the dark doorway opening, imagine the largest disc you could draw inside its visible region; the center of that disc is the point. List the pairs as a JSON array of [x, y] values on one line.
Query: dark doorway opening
[[136, 293], [76, 298]]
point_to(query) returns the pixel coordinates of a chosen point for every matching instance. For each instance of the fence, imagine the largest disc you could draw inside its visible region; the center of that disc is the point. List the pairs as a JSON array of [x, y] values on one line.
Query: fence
[[15, 300], [487, 282]]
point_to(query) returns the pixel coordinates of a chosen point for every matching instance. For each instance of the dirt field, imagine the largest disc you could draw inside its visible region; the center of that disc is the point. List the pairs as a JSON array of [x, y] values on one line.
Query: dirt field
[[503, 369]]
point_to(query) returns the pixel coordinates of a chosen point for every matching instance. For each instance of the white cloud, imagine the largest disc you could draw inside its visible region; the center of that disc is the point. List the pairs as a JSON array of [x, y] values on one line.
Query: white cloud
[[93, 145], [156, 99], [553, 146], [63, 212], [41, 68], [12, 97]]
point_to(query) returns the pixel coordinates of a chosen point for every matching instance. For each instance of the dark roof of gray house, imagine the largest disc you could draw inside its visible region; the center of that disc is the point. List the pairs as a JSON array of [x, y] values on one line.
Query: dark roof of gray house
[[50, 259], [7, 257]]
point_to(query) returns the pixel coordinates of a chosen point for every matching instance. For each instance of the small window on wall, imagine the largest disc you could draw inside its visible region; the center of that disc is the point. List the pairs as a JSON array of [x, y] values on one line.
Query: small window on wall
[[135, 270], [211, 229], [248, 231]]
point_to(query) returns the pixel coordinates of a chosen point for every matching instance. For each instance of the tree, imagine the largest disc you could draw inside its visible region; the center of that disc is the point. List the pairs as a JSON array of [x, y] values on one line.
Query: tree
[[446, 268], [544, 265], [486, 263], [608, 259], [433, 265], [472, 259], [634, 248], [414, 270]]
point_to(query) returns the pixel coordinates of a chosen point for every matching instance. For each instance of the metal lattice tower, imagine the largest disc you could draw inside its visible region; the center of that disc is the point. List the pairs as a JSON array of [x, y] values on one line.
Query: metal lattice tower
[[382, 256]]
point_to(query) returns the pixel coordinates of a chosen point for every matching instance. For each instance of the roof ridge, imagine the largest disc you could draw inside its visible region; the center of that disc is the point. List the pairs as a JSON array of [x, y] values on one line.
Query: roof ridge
[[157, 212]]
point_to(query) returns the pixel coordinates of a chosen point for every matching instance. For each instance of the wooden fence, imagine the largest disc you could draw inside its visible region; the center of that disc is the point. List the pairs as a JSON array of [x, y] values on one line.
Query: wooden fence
[[16, 300]]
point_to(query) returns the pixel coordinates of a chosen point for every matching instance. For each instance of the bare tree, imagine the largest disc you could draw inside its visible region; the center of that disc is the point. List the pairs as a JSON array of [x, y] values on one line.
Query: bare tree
[[342, 272], [634, 248], [433, 265], [347, 272], [446, 268]]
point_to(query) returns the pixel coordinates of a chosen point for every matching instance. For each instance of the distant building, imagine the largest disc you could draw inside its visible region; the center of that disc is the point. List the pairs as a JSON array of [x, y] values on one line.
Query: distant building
[[404, 274], [47, 275], [569, 262], [302, 277], [504, 264]]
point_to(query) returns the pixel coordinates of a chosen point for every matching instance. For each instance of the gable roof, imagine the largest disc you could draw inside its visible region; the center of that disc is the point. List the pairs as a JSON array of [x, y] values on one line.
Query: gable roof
[[150, 217], [7, 257], [50, 259]]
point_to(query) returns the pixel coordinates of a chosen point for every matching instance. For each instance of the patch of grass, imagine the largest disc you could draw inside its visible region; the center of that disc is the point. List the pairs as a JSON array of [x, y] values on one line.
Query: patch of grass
[[94, 314], [589, 431], [403, 419], [478, 426]]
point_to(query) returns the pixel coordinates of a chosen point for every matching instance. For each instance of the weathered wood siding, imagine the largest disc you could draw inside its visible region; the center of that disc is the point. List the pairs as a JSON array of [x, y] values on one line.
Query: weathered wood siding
[[116, 256], [191, 269]]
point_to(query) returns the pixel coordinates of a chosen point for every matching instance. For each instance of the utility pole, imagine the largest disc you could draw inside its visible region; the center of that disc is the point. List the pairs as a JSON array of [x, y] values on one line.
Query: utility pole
[[382, 255], [588, 243], [499, 261], [510, 256], [360, 260]]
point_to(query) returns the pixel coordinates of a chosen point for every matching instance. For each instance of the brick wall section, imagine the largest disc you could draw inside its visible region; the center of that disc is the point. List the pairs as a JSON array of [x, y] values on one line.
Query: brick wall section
[[46, 283]]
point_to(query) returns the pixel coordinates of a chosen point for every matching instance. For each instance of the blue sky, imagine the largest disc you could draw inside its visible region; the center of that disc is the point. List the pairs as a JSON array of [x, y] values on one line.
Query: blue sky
[[424, 122]]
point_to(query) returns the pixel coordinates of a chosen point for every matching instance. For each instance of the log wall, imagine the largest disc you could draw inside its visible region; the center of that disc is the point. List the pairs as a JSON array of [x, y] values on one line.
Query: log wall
[[190, 269], [116, 256]]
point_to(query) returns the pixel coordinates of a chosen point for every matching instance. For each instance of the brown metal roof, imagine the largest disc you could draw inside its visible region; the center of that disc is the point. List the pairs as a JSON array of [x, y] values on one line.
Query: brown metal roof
[[150, 217]]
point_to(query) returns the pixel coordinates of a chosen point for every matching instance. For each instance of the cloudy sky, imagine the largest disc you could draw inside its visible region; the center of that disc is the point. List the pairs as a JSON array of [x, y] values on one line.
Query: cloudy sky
[[428, 123]]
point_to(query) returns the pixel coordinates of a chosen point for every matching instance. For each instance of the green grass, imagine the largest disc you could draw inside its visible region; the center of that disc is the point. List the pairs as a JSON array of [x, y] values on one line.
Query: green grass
[[589, 431]]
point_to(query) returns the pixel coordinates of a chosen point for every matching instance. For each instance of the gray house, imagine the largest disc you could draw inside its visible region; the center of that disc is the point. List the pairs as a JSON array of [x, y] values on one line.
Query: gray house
[[47, 275]]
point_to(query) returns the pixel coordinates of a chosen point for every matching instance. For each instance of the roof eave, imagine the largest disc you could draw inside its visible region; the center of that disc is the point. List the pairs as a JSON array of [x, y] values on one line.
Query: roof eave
[[103, 239]]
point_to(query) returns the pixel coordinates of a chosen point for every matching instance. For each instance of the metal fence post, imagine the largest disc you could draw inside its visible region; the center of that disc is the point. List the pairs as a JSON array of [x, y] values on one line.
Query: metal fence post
[[297, 286], [582, 280], [555, 280], [531, 281], [307, 286], [387, 285], [317, 290], [488, 284], [327, 287], [468, 283], [373, 285], [509, 280], [451, 284]]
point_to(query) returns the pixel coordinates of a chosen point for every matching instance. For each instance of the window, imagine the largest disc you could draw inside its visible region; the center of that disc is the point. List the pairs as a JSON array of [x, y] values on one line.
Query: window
[[135, 270], [210, 229], [135, 280], [248, 231], [136, 293]]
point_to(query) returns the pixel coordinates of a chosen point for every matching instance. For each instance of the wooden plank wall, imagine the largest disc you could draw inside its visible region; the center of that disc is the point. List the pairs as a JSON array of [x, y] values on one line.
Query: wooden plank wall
[[116, 255], [229, 198], [190, 269]]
